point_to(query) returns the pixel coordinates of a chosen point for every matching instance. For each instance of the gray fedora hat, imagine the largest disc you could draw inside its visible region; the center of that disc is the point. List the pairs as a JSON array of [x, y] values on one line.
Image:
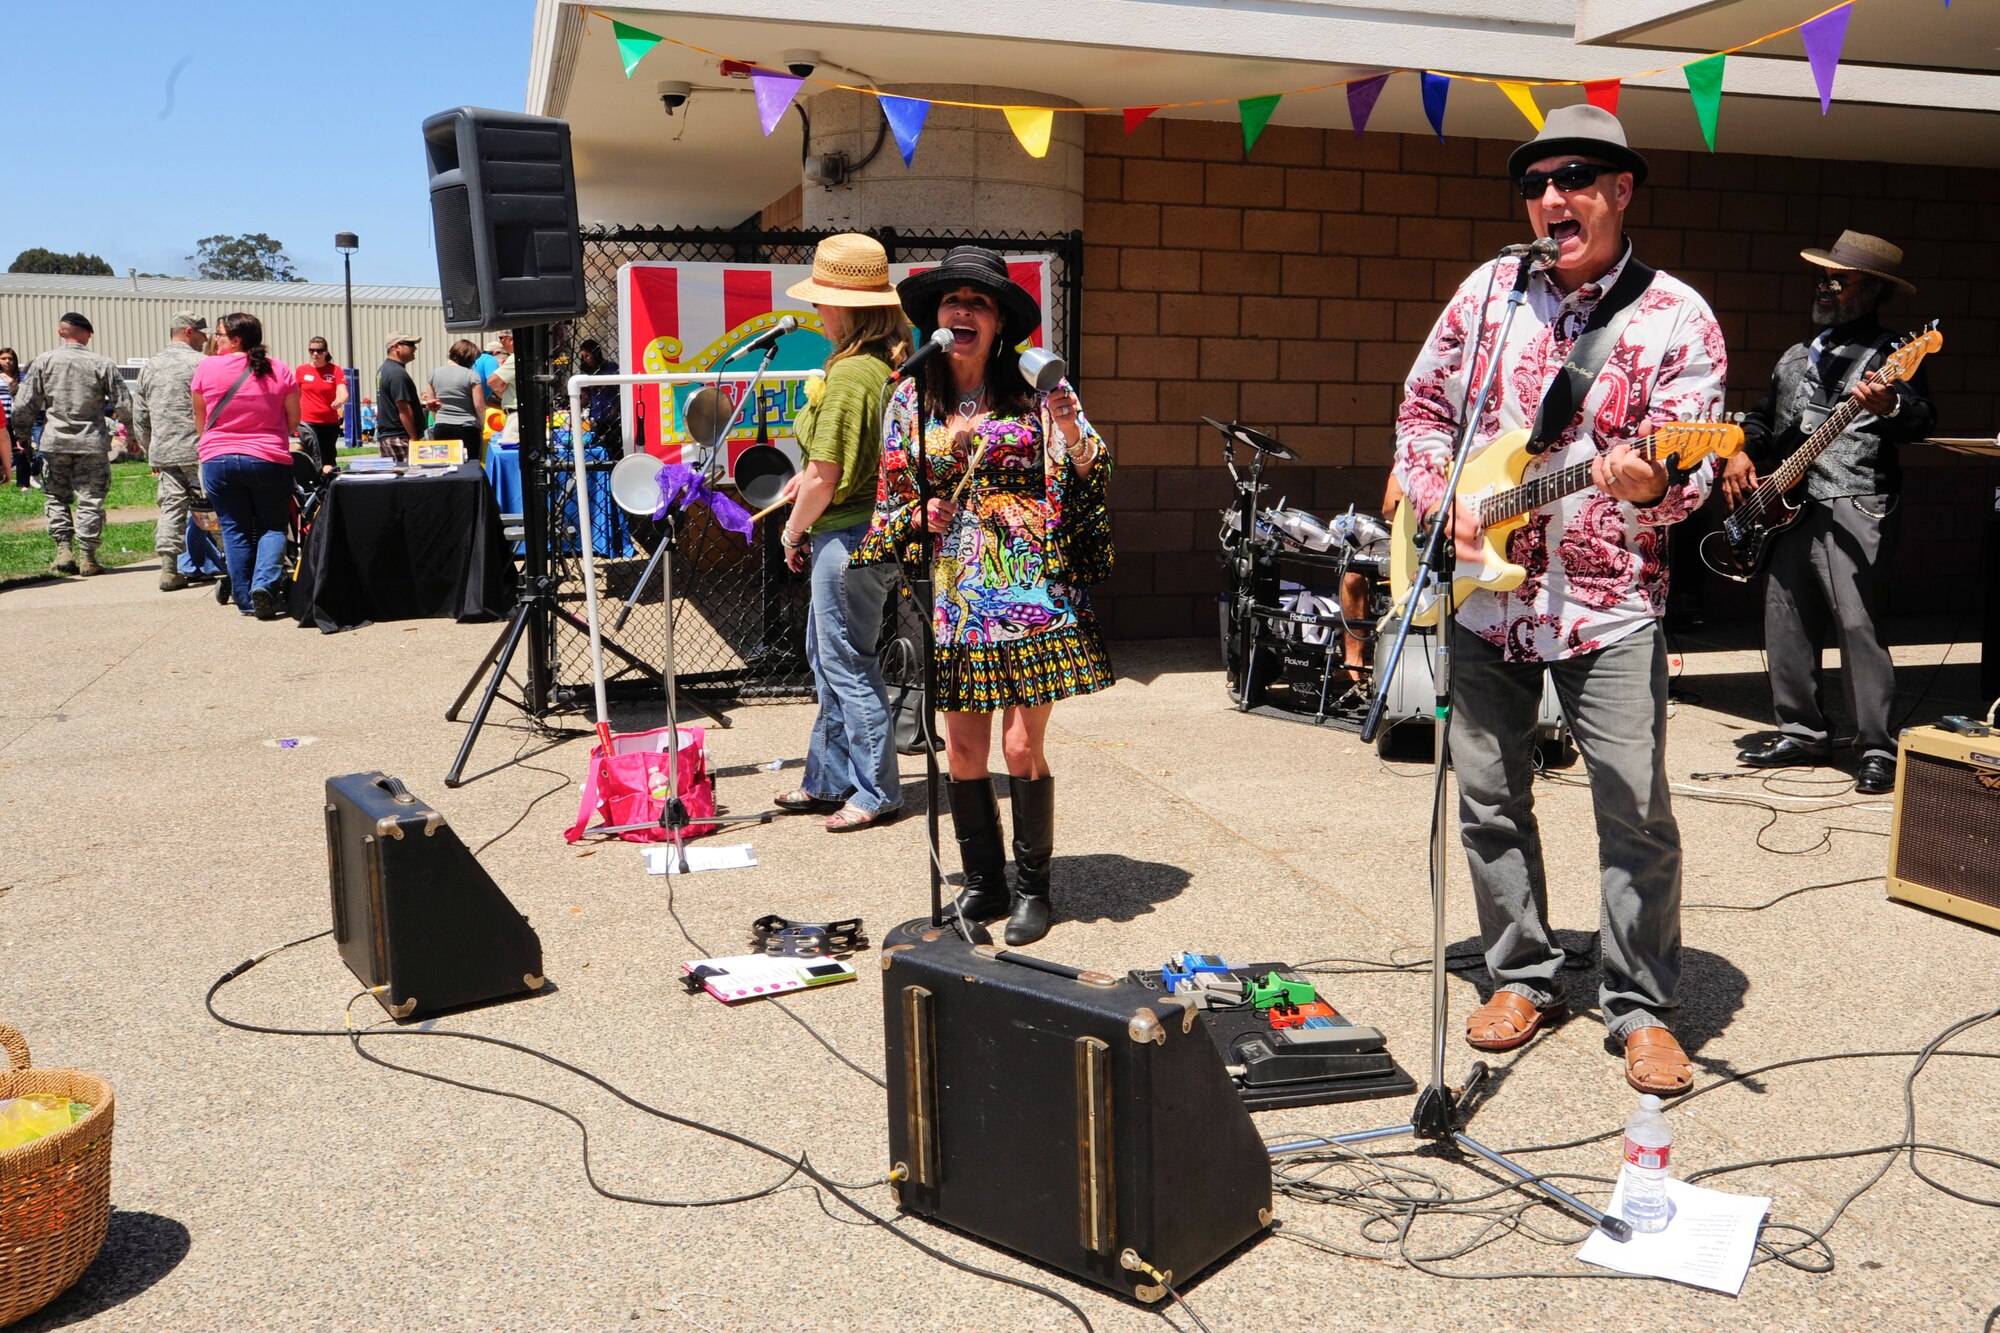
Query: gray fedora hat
[[1586, 130]]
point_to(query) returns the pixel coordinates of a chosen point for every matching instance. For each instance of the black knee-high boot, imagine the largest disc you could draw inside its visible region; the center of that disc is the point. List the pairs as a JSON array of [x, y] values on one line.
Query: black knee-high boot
[[975, 820], [1034, 844]]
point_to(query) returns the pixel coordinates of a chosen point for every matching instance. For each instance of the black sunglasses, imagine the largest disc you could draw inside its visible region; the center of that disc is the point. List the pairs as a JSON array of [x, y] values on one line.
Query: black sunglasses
[[1568, 178]]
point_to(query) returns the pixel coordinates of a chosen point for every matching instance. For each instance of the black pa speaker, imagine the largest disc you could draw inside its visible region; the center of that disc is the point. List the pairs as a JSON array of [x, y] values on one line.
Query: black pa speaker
[[413, 912], [503, 207], [1075, 1118]]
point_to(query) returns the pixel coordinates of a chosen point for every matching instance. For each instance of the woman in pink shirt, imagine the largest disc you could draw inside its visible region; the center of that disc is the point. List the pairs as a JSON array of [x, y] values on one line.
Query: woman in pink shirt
[[246, 407]]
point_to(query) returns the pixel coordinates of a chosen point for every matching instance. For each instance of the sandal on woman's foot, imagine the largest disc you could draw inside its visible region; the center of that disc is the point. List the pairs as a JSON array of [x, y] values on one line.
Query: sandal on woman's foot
[[1655, 1063], [851, 817], [1509, 1020], [799, 801]]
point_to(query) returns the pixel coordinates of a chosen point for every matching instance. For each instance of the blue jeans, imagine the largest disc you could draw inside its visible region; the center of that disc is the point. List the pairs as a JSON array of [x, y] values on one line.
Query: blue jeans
[[253, 502], [852, 754]]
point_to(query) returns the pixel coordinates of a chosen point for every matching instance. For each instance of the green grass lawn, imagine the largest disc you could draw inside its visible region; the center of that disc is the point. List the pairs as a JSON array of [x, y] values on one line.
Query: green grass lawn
[[132, 486], [26, 555]]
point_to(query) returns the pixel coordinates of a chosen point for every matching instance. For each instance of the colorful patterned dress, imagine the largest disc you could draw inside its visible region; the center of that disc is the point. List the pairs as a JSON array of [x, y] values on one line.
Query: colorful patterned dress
[[1011, 628]]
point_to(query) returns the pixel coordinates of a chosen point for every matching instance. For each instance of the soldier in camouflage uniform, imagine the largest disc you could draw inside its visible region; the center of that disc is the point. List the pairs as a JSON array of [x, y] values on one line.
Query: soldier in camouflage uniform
[[163, 426], [71, 387]]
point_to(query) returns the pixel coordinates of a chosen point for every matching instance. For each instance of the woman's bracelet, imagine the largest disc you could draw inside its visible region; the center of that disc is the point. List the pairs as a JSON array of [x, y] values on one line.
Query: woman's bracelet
[[789, 542]]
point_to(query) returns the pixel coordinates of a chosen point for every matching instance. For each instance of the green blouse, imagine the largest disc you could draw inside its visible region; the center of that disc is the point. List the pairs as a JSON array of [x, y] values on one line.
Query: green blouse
[[845, 428]]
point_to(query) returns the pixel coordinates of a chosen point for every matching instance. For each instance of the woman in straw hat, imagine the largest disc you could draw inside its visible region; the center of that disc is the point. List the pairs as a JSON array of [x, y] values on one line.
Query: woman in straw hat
[[1013, 632], [851, 759]]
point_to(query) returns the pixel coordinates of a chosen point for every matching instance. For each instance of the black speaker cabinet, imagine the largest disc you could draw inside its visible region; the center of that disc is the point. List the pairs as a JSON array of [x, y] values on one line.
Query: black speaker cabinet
[[413, 912], [1079, 1120], [503, 207], [1944, 838]]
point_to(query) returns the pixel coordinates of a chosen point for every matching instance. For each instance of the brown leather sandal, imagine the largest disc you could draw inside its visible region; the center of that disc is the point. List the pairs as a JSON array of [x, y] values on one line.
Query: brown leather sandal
[[1509, 1020], [1655, 1063]]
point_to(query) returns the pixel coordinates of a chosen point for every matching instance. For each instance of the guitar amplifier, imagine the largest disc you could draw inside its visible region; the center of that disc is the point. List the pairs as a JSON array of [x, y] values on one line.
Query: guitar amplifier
[[1944, 842], [1068, 1116]]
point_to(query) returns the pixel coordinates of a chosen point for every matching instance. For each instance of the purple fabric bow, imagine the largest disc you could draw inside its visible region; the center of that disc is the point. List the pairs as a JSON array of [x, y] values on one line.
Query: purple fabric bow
[[682, 485]]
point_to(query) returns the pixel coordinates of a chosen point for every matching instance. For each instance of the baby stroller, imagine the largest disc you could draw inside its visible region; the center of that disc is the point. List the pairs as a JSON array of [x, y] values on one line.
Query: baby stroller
[[309, 488]]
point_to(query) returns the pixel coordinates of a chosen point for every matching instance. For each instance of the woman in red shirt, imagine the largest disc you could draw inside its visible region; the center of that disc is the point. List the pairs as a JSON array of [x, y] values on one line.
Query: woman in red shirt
[[246, 407]]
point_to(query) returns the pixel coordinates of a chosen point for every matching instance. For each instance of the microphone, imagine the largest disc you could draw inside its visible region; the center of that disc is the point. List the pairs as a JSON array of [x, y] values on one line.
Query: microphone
[[764, 339], [1540, 253], [939, 341]]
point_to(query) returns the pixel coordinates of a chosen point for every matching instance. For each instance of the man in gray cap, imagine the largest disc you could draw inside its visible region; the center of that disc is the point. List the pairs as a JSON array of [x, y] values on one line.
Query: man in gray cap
[[1830, 570], [71, 386], [399, 410], [1587, 615], [163, 425]]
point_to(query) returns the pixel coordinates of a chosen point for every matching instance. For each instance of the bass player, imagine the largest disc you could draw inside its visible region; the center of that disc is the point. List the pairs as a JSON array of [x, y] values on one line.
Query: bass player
[[1588, 612], [1831, 567]]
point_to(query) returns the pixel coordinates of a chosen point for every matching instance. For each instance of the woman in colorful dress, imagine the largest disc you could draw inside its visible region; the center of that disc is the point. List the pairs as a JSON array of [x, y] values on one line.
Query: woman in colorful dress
[[1013, 633]]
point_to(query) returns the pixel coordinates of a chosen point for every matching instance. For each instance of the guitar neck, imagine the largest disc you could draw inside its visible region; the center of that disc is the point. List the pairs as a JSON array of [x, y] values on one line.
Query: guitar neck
[[1792, 469], [1546, 490]]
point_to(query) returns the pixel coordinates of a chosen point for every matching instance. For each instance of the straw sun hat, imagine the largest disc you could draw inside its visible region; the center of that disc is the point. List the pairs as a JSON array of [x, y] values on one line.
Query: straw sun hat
[[1862, 253], [848, 270]]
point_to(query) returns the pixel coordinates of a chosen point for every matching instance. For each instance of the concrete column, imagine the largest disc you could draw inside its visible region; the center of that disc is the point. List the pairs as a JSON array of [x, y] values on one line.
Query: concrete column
[[969, 172]]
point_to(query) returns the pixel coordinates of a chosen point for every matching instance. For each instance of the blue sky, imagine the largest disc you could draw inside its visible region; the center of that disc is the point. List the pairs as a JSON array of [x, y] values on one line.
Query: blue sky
[[139, 127]]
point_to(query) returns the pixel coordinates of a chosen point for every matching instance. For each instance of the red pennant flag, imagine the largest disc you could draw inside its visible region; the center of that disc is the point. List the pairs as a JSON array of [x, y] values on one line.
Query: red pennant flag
[[1603, 94], [1135, 116]]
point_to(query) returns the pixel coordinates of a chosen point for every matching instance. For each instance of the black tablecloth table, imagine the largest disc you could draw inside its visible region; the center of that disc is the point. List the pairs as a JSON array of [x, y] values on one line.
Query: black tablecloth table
[[405, 548]]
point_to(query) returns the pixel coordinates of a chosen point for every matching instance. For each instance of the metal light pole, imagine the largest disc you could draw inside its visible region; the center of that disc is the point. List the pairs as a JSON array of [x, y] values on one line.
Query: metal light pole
[[347, 243]]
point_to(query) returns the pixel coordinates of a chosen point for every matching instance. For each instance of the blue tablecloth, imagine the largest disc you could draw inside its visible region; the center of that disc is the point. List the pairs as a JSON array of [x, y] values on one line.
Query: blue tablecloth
[[607, 521]]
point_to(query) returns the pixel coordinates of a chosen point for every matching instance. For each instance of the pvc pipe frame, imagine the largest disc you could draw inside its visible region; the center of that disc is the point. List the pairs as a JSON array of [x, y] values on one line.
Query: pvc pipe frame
[[577, 384]]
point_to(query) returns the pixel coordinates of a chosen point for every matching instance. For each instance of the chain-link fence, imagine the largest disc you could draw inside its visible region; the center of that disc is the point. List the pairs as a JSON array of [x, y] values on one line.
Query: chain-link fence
[[739, 615]]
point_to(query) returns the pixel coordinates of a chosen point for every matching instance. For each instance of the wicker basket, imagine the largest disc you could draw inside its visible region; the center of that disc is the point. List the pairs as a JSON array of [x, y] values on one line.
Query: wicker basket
[[55, 1193]]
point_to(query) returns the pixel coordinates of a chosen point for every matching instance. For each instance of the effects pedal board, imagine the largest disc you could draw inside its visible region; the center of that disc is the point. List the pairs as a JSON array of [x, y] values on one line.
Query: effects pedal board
[[1282, 1044]]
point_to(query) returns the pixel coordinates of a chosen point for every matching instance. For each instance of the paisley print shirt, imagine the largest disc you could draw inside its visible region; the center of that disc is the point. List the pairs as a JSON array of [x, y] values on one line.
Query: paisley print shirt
[[1596, 565]]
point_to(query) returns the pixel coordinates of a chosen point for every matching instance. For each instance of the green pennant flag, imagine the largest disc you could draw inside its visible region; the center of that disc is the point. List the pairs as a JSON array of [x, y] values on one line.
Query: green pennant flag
[[1704, 79], [633, 43], [1256, 113]]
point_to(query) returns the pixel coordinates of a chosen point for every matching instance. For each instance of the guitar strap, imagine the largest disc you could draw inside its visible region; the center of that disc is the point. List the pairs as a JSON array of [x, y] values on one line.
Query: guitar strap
[[1588, 354]]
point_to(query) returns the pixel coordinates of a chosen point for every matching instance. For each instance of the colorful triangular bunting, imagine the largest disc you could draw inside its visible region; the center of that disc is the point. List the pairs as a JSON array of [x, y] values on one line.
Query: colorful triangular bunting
[[906, 120], [633, 43], [1704, 80], [1437, 87], [1135, 116], [1031, 125], [1603, 94], [1524, 102], [1824, 37], [774, 96], [1256, 114], [1361, 99]]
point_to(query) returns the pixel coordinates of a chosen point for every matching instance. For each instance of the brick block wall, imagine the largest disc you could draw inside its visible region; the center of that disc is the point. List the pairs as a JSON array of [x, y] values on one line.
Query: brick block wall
[[1291, 292]]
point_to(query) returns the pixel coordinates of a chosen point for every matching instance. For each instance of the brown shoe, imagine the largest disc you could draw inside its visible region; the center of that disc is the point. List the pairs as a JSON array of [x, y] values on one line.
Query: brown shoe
[[1655, 1063], [1509, 1020], [86, 564], [65, 562], [171, 578]]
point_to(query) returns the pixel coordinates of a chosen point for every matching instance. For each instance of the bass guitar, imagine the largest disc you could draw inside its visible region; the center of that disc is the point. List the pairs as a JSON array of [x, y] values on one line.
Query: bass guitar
[[1737, 549], [1491, 484]]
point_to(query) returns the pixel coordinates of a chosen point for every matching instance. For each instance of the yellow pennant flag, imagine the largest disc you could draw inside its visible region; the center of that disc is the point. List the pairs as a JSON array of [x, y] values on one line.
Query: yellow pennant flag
[[1031, 125], [1524, 102]]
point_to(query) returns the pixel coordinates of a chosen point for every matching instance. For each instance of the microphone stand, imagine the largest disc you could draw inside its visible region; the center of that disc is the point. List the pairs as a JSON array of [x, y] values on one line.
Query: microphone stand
[[1440, 1113]]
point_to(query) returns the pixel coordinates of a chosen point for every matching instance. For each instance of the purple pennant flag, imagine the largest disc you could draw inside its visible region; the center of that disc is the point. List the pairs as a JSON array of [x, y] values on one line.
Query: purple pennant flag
[[774, 96], [1823, 37], [906, 119], [1437, 87], [1361, 101], [682, 485]]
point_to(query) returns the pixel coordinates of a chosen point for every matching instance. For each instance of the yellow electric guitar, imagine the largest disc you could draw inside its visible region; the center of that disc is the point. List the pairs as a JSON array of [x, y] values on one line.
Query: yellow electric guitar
[[1492, 486]]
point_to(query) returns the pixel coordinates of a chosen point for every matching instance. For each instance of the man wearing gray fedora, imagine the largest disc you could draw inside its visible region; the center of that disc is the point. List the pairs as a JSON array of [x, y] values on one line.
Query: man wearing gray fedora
[[1646, 351], [1830, 569]]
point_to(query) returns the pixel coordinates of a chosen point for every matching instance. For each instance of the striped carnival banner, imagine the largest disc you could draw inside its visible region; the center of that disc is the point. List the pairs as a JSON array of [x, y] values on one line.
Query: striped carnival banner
[[688, 317]]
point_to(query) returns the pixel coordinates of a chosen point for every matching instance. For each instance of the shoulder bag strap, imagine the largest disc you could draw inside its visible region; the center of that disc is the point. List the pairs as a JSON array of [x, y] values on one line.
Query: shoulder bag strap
[[1587, 356], [223, 401]]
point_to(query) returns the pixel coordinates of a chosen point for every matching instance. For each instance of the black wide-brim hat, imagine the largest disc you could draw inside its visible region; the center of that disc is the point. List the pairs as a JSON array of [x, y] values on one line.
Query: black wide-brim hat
[[971, 266], [1587, 131]]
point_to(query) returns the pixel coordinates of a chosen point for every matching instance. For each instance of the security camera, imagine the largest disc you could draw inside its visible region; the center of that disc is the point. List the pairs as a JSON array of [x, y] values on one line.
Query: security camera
[[802, 63], [673, 94]]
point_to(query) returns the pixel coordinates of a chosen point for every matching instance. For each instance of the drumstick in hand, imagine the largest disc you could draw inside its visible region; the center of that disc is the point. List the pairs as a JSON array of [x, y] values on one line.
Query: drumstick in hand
[[977, 454]]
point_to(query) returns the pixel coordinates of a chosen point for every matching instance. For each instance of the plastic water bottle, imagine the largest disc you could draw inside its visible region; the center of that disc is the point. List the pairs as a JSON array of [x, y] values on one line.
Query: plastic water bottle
[[1649, 1142]]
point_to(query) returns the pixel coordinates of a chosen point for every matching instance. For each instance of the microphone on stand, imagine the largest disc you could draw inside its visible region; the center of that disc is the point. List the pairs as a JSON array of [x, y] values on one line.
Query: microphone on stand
[[764, 339], [1539, 253], [939, 341]]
